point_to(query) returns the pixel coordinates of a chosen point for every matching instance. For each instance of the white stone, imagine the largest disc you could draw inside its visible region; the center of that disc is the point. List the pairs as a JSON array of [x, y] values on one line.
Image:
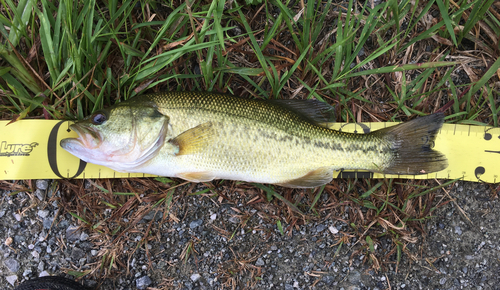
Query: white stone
[[84, 236], [11, 279], [43, 274], [43, 213], [195, 277], [35, 254]]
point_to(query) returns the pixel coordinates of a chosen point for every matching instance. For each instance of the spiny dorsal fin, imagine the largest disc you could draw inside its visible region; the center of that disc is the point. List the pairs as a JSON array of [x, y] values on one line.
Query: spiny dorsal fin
[[194, 139], [314, 178], [314, 111]]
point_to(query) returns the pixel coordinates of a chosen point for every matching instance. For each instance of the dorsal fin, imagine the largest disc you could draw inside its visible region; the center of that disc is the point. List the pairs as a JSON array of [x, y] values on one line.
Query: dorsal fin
[[314, 111]]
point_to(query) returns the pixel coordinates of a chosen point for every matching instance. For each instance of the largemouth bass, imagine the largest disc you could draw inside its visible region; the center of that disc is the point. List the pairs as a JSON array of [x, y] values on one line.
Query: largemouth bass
[[201, 136]]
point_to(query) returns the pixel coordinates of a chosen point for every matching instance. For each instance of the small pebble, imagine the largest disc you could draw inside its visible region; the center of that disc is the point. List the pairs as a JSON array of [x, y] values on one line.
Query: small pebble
[[320, 228], [213, 216], [39, 194], [8, 241], [143, 282], [42, 184], [84, 236], [41, 266], [259, 262], [77, 253], [12, 265], [47, 223], [43, 274], [19, 239], [72, 234], [195, 277], [157, 215], [43, 213], [328, 279], [11, 279], [196, 223], [354, 277], [27, 272]]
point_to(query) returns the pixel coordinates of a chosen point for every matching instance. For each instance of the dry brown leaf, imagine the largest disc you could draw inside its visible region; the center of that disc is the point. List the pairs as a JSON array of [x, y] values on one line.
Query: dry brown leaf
[[144, 85], [386, 224], [176, 43], [297, 16], [472, 75], [442, 40], [488, 31]]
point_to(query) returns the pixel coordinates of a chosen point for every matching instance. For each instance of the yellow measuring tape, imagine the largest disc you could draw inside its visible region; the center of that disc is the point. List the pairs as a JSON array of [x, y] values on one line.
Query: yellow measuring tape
[[29, 149]]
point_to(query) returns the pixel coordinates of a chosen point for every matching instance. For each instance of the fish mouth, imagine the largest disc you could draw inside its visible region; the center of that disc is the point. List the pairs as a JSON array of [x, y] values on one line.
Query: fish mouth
[[87, 139], [90, 147]]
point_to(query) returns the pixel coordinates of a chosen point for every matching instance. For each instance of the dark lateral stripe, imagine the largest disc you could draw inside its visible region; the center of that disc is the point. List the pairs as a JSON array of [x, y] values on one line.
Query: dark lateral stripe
[[355, 174], [352, 147], [335, 146]]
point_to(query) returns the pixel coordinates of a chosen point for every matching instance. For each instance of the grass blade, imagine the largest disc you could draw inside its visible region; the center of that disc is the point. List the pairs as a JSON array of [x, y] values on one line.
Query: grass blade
[[446, 18]]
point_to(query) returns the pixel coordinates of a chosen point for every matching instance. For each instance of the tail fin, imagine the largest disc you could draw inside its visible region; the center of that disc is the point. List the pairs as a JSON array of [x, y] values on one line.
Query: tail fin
[[412, 144]]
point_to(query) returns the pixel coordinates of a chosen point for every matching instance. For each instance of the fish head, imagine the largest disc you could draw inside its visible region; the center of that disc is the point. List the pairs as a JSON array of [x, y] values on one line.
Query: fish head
[[123, 137]]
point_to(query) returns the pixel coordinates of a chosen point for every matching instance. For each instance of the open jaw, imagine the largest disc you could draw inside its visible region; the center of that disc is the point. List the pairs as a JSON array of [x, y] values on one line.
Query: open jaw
[[87, 141], [91, 147]]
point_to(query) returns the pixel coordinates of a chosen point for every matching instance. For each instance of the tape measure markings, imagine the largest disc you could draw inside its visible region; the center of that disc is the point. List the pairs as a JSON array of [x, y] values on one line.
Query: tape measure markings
[[34, 144]]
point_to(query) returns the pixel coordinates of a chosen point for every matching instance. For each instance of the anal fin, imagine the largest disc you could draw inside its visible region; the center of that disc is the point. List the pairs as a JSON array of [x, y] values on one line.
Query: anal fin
[[314, 178], [202, 176]]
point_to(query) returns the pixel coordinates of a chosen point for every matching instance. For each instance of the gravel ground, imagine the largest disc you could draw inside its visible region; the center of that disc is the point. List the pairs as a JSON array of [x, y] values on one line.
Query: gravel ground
[[38, 239]]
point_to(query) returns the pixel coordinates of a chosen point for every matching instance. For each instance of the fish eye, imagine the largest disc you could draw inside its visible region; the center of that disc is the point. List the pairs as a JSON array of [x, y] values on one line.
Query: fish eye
[[98, 118]]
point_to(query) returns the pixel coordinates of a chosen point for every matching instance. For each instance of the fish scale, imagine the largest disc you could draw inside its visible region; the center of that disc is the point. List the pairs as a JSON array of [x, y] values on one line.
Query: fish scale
[[269, 127]]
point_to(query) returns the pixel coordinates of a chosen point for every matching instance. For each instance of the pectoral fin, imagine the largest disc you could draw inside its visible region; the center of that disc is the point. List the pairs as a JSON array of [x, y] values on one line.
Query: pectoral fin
[[314, 178], [193, 140], [203, 176]]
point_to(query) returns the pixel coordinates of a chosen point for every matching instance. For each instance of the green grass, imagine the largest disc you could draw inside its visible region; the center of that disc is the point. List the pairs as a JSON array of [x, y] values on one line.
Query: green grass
[[390, 62], [90, 54]]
